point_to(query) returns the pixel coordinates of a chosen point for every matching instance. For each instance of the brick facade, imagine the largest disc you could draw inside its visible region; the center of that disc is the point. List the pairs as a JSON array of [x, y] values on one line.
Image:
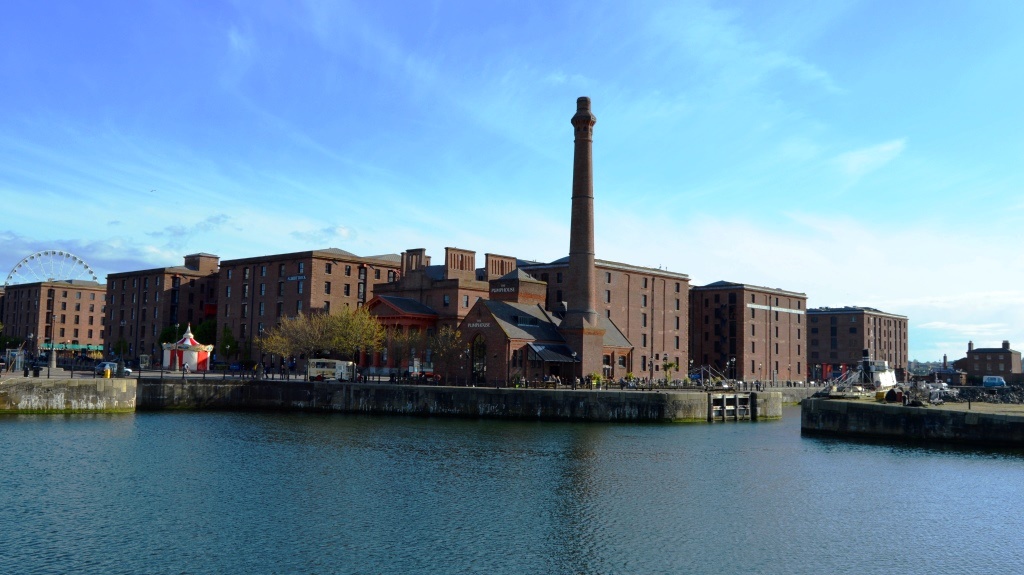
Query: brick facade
[[255, 293], [837, 338], [141, 304], [67, 314], [748, 332], [982, 361], [648, 305]]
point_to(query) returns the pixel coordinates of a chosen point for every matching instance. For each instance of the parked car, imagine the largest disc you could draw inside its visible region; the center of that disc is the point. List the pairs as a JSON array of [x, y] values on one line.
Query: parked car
[[993, 381], [112, 366]]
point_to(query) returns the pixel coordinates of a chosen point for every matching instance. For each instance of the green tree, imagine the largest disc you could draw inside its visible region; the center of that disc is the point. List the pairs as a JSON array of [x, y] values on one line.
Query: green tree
[[228, 344], [353, 329], [205, 332], [120, 347], [169, 334], [669, 367], [447, 346], [304, 334]]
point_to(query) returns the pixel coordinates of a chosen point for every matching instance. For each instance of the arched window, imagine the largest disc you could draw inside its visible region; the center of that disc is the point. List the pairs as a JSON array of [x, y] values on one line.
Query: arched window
[[479, 359]]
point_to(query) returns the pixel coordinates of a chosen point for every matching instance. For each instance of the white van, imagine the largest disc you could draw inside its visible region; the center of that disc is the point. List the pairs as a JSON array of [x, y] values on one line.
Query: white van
[[321, 369], [993, 381]]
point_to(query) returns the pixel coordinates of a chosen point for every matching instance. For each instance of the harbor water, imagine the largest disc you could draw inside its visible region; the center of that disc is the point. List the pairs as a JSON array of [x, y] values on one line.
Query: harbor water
[[174, 492]]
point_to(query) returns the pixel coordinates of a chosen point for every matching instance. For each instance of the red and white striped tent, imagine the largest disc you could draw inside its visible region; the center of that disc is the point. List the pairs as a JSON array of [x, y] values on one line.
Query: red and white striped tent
[[187, 351]]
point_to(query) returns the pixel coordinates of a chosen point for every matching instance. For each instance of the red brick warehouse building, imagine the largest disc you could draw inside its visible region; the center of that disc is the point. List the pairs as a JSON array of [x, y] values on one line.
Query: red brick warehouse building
[[257, 293], [65, 315], [140, 304], [838, 336], [748, 332]]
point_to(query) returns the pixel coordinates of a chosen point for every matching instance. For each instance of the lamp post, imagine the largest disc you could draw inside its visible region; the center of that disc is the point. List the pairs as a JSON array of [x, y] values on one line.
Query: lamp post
[[32, 346], [120, 352], [71, 356], [51, 362], [260, 369], [574, 370]]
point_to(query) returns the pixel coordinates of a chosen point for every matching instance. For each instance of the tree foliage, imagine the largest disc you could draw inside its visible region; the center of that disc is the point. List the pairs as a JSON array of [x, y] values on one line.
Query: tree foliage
[[355, 329], [206, 331], [169, 334], [228, 344], [669, 367], [342, 333], [402, 344]]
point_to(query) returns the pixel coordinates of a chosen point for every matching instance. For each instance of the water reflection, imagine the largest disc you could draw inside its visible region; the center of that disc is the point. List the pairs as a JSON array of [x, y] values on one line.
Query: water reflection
[[257, 493]]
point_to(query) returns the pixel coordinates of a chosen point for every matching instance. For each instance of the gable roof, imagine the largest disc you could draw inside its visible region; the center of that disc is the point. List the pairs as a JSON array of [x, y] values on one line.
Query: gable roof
[[521, 276], [405, 305], [523, 321], [613, 336]]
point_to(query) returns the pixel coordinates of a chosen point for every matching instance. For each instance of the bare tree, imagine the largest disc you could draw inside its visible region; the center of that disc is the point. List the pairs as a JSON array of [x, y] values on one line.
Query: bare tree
[[402, 344], [447, 346]]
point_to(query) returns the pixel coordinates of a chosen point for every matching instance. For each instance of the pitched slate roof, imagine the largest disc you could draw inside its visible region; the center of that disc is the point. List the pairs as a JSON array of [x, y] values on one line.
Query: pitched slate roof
[[523, 321], [408, 305], [613, 337], [521, 276]]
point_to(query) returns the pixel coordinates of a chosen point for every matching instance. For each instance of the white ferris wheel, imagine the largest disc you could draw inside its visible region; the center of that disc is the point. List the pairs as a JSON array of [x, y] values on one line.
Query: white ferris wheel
[[50, 265]]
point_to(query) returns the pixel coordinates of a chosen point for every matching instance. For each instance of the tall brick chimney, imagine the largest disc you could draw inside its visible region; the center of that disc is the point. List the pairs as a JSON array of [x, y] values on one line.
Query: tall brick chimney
[[580, 326]]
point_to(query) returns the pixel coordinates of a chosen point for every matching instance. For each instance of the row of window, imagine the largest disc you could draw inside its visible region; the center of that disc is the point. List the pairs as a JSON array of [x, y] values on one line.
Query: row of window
[[300, 288], [74, 333], [300, 268]]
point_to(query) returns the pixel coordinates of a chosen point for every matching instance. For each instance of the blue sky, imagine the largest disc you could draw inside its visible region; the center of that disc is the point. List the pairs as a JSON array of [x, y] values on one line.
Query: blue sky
[[864, 153]]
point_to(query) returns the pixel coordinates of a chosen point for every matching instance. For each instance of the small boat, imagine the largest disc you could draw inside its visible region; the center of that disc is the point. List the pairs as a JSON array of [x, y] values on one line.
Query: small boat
[[871, 379]]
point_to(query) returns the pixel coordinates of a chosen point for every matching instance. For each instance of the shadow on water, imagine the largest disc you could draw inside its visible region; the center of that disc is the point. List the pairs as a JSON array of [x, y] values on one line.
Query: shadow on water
[[915, 446]]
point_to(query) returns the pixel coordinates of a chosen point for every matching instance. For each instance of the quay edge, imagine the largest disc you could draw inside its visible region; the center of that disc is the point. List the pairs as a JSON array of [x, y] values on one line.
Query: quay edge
[[86, 395], [868, 419], [472, 402], [34, 395]]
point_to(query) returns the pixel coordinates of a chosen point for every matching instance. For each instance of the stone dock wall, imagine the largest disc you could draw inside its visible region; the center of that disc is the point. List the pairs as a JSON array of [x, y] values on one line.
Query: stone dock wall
[[476, 402], [867, 419], [34, 395]]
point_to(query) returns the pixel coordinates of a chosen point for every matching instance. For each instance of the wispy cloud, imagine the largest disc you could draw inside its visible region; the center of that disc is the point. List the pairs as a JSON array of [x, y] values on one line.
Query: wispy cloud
[[719, 44], [859, 163], [323, 235], [180, 235], [968, 330], [241, 45]]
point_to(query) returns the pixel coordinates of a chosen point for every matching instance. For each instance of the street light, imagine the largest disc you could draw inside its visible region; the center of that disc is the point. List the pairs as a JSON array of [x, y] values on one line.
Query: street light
[[574, 370], [71, 353], [260, 373], [32, 345], [120, 351], [52, 360]]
